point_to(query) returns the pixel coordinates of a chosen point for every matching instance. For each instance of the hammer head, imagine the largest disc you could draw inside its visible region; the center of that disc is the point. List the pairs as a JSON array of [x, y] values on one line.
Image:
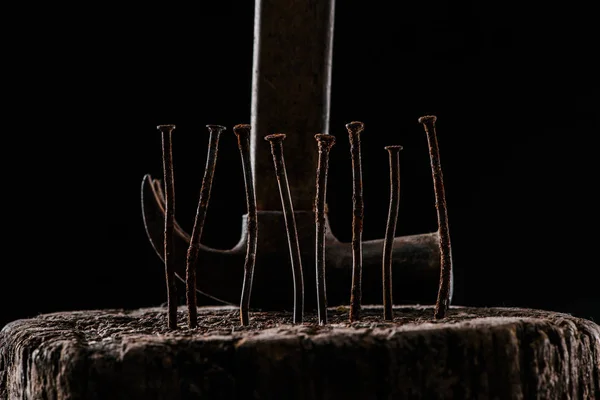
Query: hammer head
[[415, 269]]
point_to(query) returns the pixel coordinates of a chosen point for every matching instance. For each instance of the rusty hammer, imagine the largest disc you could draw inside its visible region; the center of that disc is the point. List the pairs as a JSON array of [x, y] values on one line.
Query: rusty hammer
[[291, 93]]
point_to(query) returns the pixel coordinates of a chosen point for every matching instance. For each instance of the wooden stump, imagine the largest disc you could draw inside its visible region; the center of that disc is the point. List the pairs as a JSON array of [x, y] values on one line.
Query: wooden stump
[[495, 353]]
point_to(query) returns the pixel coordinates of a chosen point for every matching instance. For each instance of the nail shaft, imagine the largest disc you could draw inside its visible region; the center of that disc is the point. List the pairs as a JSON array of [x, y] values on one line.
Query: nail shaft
[[243, 136], [166, 133], [276, 141], [194, 248], [354, 130], [443, 299], [388, 244], [325, 142]]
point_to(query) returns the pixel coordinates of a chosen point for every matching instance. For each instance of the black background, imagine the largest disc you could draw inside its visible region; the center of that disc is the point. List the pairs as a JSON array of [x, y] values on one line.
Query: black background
[[514, 89]]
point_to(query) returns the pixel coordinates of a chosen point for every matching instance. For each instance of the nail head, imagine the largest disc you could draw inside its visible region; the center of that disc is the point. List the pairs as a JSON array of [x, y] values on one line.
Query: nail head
[[164, 128], [355, 126], [396, 147], [325, 138], [427, 119], [276, 137], [242, 129], [219, 128]]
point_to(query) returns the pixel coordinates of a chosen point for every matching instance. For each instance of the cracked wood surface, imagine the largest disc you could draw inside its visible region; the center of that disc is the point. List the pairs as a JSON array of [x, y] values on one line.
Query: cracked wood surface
[[484, 353]]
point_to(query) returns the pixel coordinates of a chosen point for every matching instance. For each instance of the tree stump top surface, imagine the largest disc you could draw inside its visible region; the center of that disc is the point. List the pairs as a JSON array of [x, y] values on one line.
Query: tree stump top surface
[[118, 324], [474, 352]]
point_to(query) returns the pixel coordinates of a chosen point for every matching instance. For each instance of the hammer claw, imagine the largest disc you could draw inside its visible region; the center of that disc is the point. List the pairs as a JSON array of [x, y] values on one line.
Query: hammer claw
[[416, 261]]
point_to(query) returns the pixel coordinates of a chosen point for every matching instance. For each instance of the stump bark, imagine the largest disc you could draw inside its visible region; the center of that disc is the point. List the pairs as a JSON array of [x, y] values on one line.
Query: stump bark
[[482, 353]]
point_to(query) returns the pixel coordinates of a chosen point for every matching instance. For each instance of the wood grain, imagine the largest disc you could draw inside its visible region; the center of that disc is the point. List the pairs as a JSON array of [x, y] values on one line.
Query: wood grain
[[484, 353]]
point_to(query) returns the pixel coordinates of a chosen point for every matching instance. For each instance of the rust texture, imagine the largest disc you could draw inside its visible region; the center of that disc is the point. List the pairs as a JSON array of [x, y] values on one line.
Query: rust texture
[[415, 264], [194, 248], [167, 150], [242, 132], [325, 143], [390, 230], [354, 130], [443, 298], [276, 141]]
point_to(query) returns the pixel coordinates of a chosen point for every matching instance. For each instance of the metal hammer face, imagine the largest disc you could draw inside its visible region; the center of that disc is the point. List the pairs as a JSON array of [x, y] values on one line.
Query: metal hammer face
[[291, 93]]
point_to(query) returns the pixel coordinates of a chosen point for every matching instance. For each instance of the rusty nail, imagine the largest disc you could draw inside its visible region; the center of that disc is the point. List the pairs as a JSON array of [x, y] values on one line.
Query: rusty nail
[[242, 132], [390, 230], [354, 130], [166, 133], [443, 299], [325, 142], [194, 248], [276, 141]]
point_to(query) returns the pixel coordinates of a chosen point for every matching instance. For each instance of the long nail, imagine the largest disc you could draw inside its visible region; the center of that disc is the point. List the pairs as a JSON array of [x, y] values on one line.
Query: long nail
[[242, 132], [325, 142], [194, 249], [390, 230], [276, 141], [443, 299], [166, 132], [354, 130]]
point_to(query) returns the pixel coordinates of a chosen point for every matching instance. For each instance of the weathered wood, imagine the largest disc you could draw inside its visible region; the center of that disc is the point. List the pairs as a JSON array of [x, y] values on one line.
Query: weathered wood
[[495, 353]]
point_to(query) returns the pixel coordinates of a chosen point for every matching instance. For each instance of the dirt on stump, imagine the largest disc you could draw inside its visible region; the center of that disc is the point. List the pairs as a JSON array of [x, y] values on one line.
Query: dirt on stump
[[503, 353]]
